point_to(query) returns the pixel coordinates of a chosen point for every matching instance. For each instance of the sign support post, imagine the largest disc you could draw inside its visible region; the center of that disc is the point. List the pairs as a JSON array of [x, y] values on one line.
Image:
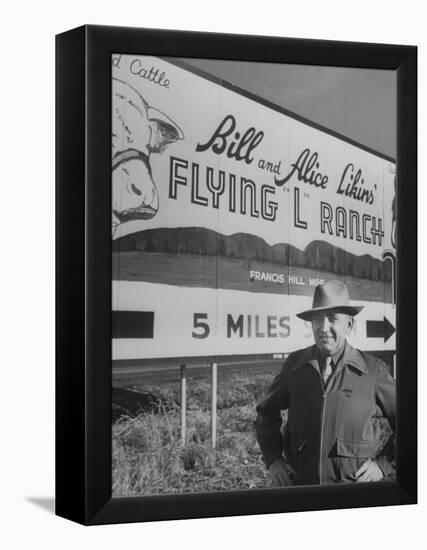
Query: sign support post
[[183, 404], [214, 403]]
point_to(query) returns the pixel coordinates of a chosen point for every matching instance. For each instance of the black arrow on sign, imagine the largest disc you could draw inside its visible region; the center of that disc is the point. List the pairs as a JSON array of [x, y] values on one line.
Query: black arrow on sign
[[380, 329]]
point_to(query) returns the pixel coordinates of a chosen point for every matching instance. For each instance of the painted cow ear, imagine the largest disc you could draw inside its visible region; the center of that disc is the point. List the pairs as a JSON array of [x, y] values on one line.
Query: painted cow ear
[[164, 130], [162, 135]]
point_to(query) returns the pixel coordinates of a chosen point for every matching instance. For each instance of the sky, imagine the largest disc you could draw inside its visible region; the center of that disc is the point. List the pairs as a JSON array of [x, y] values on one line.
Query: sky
[[357, 103]]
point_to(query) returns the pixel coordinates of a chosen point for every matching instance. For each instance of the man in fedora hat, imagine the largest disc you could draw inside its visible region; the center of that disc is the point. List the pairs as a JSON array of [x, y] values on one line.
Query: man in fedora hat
[[335, 397]]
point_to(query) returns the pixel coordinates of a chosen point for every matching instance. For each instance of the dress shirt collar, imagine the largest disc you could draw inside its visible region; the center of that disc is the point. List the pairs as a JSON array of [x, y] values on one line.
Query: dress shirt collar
[[349, 356]]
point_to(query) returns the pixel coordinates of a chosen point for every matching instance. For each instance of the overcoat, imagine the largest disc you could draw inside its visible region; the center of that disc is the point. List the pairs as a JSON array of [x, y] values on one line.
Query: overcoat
[[330, 431]]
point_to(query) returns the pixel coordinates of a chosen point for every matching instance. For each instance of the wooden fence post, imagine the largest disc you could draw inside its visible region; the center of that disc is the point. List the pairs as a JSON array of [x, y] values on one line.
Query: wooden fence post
[[214, 404], [183, 404]]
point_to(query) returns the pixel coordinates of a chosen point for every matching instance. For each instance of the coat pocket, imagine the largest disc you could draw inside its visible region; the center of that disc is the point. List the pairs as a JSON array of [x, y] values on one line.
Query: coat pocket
[[351, 448], [298, 445]]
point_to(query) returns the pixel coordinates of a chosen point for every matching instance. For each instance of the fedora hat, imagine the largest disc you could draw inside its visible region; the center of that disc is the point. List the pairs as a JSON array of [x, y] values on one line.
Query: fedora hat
[[330, 295]]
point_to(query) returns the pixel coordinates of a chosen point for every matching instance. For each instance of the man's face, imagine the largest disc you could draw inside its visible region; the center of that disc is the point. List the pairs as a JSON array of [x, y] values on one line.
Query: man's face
[[330, 330]]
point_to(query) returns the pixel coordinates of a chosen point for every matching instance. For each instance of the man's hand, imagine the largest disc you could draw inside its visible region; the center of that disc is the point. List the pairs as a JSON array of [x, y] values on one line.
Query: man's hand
[[369, 471], [281, 473]]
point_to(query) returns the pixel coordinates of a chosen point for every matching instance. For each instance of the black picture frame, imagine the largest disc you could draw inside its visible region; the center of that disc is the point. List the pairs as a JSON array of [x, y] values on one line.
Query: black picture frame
[[83, 273]]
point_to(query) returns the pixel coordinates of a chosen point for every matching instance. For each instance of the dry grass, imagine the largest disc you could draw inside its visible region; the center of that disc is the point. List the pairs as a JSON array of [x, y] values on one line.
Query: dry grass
[[148, 457]]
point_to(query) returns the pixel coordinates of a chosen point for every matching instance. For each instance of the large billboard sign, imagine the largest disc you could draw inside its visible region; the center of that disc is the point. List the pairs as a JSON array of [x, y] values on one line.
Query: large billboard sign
[[227, 212]]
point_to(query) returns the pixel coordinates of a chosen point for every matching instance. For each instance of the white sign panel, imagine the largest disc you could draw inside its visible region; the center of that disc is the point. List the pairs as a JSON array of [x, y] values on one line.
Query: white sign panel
[[226, 213]]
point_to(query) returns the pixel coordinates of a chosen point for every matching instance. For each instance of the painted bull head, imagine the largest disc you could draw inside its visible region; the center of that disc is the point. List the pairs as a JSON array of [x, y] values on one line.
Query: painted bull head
[[137, 131]]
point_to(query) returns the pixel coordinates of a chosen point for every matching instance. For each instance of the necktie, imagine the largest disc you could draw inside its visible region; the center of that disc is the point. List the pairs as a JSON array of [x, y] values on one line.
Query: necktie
[[327, 370]]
